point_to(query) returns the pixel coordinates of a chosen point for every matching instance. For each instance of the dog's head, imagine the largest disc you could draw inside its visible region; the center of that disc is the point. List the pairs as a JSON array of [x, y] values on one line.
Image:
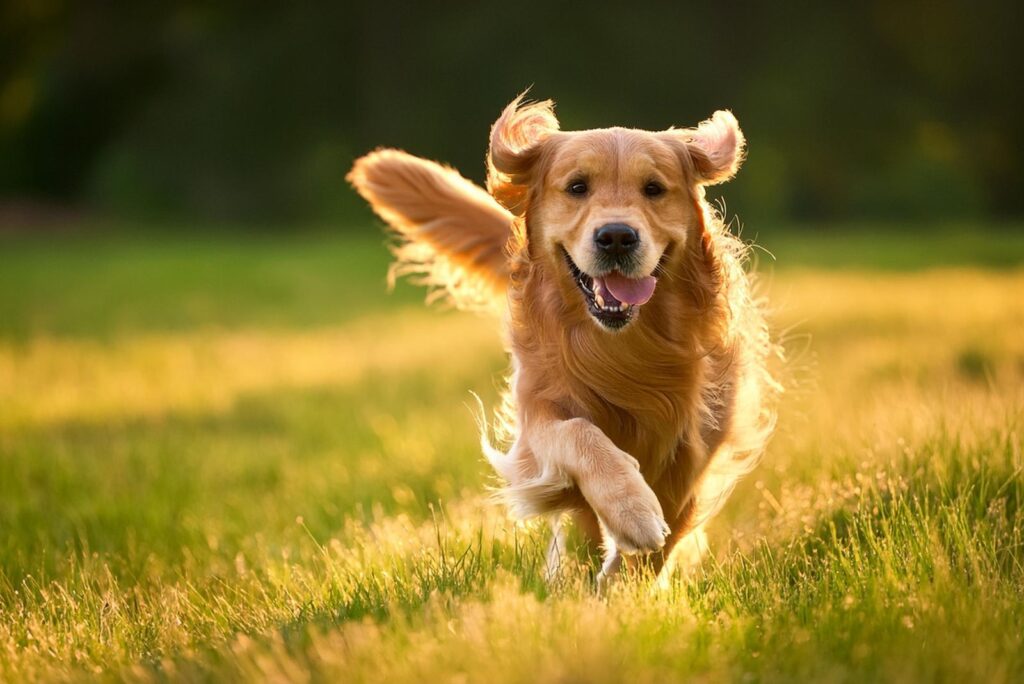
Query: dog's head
[[607, 207]]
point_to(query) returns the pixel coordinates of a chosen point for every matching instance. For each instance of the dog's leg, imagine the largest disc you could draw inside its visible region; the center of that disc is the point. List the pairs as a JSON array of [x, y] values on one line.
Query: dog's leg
[[686, 546], [610, 567], [608, 478], [688, 553], [556, 549], [589, 531]]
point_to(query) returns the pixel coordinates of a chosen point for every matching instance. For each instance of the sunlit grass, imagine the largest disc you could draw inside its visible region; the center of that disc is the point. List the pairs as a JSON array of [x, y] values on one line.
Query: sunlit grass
[[50, 381], [268, 494]]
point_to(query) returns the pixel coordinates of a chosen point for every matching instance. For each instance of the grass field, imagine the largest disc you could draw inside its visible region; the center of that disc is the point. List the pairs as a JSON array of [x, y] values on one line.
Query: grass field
[[240, 458]]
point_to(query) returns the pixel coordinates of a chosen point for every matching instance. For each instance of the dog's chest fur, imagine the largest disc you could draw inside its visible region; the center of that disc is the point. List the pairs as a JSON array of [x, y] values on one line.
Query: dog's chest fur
[[643, 387]]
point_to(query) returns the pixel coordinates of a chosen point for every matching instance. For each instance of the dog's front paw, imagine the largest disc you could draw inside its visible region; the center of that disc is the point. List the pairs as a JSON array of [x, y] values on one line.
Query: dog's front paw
[[632, 515], [638, 527]]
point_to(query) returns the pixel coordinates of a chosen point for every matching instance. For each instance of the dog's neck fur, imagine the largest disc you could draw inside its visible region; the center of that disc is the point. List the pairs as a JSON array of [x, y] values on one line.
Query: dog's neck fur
[[633, 383]]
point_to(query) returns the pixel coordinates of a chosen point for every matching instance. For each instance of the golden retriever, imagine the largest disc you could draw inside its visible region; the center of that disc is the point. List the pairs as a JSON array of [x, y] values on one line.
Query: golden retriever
[[639, 389]]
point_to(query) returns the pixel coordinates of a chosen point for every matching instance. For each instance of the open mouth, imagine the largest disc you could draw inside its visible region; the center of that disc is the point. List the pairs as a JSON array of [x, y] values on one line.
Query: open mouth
[[612, 299]]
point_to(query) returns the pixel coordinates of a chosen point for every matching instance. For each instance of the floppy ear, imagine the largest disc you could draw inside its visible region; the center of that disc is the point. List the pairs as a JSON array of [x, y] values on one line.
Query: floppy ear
[[516, 143], [715, 149]]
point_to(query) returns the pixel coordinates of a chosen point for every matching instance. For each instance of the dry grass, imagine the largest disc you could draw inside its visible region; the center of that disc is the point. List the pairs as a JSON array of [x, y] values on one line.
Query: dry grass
[[305, 501]]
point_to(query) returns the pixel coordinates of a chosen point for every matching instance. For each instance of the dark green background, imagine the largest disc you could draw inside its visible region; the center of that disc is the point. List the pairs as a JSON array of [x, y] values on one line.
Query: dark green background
[[252, 112]]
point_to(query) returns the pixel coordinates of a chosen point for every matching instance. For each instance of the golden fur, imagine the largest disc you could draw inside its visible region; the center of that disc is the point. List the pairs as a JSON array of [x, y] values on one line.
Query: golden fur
[[640, 432]]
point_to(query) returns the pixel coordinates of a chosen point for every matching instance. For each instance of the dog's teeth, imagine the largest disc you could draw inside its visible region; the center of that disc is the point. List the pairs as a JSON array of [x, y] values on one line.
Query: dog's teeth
[[599, 299]]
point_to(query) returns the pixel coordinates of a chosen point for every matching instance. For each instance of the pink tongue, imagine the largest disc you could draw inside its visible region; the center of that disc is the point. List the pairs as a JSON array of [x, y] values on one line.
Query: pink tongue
[[630, 290]]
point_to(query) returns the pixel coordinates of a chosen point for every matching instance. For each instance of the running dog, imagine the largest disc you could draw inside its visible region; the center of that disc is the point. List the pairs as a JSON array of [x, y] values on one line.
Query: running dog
[[639, 390]]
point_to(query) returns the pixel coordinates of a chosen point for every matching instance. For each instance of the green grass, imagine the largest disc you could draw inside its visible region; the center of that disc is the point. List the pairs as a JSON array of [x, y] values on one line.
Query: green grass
[[125, 282], [239, 458], [892, 247]]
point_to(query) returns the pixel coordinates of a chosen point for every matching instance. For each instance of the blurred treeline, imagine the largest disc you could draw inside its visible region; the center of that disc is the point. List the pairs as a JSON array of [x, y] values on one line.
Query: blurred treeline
[[254, 111]]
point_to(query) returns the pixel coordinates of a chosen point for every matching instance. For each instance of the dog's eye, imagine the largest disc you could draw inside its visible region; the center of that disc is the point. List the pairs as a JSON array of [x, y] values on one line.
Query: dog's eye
[[653, 189], [577, 187]]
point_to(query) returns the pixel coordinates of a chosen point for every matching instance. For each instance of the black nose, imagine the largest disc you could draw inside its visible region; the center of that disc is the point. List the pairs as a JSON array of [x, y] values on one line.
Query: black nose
[[616, 239]]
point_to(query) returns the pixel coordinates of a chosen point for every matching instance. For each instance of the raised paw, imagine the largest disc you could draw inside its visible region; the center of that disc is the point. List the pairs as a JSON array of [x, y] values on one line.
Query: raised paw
[[632, 516]]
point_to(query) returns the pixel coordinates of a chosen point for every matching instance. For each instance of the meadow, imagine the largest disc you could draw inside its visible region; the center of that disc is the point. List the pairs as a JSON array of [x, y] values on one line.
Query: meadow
[[237, 457]]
